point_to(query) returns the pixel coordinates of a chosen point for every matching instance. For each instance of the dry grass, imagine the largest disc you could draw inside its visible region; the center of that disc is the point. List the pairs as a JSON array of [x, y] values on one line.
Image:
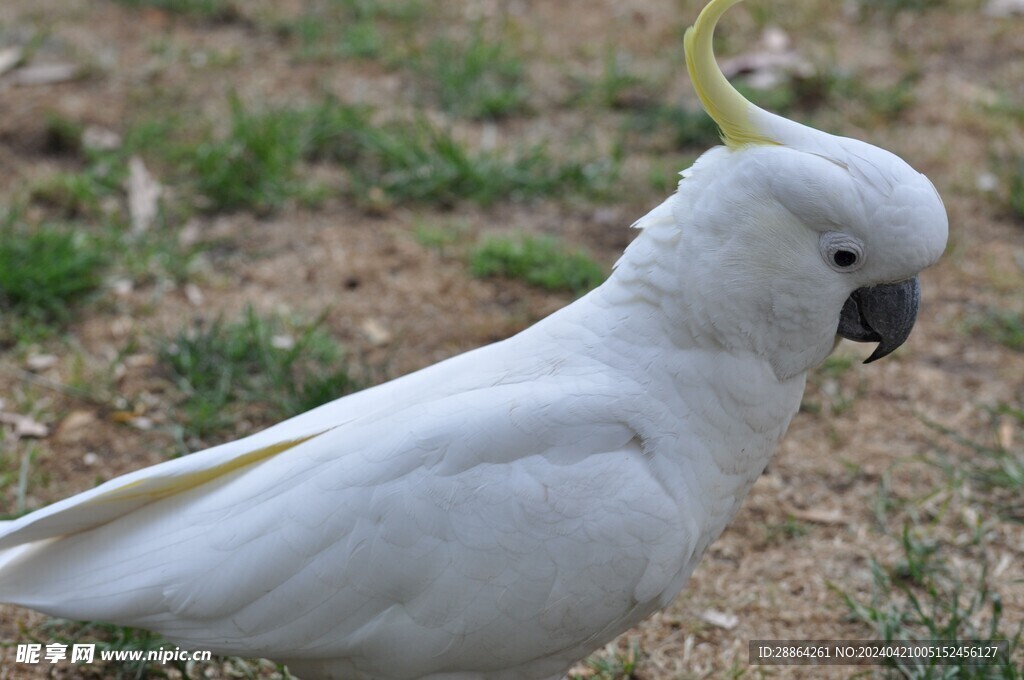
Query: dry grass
[[918, 441]]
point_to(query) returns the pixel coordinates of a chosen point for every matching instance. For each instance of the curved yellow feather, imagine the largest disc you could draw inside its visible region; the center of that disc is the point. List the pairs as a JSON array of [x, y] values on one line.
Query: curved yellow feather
[[106, 503], [724, 104], [157, 488]]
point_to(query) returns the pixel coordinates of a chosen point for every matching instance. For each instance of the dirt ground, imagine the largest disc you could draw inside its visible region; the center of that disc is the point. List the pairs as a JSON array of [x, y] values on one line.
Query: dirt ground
[[851, 472]]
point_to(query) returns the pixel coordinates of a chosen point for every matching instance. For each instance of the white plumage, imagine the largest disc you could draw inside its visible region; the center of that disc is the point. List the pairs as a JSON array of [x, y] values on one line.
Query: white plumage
[[503, 513]]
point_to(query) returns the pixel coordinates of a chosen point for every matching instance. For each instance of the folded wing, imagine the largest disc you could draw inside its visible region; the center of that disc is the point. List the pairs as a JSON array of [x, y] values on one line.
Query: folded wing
[[437, 529]]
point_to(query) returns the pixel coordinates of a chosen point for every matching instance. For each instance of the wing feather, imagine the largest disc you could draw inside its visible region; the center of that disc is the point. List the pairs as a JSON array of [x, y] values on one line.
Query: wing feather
[[130, 492], [444, 526]]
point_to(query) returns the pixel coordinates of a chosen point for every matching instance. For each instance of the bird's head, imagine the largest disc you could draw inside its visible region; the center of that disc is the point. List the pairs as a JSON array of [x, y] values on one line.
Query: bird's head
[[825, 234]]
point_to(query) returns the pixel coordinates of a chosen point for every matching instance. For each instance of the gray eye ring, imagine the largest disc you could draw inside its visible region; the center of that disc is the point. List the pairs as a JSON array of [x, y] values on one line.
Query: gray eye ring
[[842, 252]]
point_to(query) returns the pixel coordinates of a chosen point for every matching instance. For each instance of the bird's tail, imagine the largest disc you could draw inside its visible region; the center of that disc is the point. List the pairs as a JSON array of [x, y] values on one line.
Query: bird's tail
[[7, 558], [122, 495]]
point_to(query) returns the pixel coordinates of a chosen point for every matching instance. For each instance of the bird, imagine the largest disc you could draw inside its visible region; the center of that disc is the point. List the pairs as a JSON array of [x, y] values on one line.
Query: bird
[[503, 513]]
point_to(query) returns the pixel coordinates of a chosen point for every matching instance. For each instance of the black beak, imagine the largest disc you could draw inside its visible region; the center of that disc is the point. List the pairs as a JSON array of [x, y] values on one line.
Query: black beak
[[884, 314]]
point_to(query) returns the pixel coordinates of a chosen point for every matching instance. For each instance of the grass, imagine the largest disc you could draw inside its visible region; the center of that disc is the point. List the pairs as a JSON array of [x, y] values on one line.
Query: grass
[[478, 78], [114, 639], [689, 129], [46, 270], [257, 164], [421, 163], [62, 136], [26, 458], [204, 9], [443, 238], [260, 368], [921, 598], [80, 193], [883, 103], [1017, 190], [344, 29], [891, 7], [836, 366], [90, 208], [686, 128], [106, 637], [160, 255], [254, 165], [618, 87], [788, 529], [322, 40], [69, 194], [1003, 326], [418, 162], [832, 388], [541, 262], [939, 587], [993, 472], [611, 663]]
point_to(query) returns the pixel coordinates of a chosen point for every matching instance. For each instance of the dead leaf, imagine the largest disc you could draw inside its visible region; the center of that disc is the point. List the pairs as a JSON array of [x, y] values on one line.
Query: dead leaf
[[9, 58], [375, 332], [144, 193], [75, 420], [24, 426], [44, 74], [1005, 434], [140, 360], [719, 619], [41, 362], [834, 516]]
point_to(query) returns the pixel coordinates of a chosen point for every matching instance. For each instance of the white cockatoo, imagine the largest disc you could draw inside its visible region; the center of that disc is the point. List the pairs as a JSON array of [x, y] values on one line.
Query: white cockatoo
[[503, 513]]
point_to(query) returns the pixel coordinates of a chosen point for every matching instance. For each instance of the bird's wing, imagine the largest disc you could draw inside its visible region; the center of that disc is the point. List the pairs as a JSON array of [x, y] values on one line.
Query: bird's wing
[[132, 491], [437, 529]]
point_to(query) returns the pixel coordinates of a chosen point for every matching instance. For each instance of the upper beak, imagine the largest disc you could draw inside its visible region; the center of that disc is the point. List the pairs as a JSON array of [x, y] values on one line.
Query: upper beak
[[884, 314]]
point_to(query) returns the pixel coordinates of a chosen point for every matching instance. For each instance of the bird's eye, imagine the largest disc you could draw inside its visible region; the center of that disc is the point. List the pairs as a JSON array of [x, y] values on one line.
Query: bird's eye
[[844, 258], [842, 252]]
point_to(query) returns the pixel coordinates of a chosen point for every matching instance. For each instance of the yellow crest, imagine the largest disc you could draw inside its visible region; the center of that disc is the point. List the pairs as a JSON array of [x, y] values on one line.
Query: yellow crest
[[720, 99]]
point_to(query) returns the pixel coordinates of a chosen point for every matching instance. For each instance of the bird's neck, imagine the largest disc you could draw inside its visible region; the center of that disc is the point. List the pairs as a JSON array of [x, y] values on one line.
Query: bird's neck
[[682, 281], [684, 385]]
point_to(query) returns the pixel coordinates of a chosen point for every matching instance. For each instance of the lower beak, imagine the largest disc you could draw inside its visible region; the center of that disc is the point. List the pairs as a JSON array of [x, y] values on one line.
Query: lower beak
[[884, 314]]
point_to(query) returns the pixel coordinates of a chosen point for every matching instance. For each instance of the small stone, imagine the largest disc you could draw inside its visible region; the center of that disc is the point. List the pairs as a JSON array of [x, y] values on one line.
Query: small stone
[[284, 342], [41, 362], [375, 332], [141, 423], [987, 182], [194, 295], [122, 287], [100, 139]]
